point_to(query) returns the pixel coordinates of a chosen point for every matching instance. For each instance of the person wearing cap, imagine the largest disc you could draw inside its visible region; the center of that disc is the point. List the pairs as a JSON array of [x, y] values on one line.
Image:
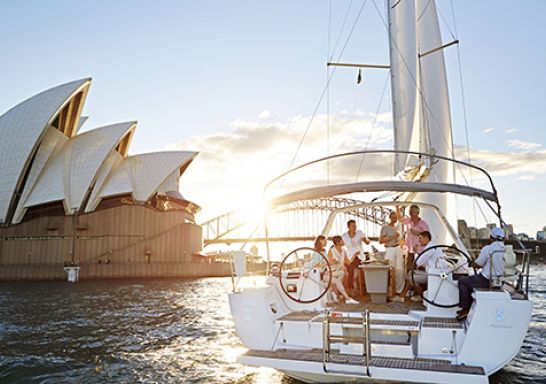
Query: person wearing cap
[[491, 262]]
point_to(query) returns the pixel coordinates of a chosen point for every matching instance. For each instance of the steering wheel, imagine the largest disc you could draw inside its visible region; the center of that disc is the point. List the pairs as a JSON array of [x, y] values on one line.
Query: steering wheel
[[454, 265], [296, 265]]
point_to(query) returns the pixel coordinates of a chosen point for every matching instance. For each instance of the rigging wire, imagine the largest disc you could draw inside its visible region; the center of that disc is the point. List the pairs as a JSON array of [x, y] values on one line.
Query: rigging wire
[[373, 124], [461, 85], [425, 103], [453, 35], [328, 96], [424, 11], [463, 100], [315, 110], [415, 82], [325, 90], [347, 13], [389, 102]]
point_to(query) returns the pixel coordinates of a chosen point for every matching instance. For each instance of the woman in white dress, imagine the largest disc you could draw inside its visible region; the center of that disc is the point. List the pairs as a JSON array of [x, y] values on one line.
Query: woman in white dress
[[337, 256]]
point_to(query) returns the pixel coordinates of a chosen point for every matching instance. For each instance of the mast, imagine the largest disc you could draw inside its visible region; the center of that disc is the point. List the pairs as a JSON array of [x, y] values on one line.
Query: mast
[[421, 110], [433, 83], [436, 107], [403, 63]]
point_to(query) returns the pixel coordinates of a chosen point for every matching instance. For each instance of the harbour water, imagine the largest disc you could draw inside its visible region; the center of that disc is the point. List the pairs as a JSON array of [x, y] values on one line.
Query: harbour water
[[162, 331]]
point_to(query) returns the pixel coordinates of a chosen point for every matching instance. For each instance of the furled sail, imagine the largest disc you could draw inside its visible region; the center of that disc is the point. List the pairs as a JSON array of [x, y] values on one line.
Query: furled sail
[[421, 110], [436, 122], [403, 54]]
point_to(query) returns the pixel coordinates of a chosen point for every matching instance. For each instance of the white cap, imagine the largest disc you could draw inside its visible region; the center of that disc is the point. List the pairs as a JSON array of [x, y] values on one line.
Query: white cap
[[497, 233]]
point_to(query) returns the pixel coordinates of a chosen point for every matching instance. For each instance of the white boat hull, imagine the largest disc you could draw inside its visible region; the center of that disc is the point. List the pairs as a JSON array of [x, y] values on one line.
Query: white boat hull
[[312, 372], [268, 323]]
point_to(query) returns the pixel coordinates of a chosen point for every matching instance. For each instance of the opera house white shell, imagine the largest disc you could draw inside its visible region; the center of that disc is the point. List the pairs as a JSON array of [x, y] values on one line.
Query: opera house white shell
[[54, 181], [45, 160]]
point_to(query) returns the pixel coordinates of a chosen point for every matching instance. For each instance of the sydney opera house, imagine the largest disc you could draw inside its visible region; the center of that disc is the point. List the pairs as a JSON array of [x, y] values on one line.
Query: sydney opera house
[[78, 198]]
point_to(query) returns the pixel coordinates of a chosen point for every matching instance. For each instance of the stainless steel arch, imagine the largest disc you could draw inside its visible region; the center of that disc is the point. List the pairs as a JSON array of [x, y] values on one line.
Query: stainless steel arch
[[382, 186]]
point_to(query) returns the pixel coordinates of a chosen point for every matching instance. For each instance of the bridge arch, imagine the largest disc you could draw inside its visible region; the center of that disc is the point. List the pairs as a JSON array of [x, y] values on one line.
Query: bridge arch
[[300, 220]]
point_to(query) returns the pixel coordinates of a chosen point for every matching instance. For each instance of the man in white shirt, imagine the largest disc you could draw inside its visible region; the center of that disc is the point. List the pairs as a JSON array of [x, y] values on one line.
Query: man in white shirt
[[353, 240], [491, 262], [430, 258]]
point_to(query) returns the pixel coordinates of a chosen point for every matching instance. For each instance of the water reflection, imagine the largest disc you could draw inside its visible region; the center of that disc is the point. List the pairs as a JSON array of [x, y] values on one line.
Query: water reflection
[[166, 331]]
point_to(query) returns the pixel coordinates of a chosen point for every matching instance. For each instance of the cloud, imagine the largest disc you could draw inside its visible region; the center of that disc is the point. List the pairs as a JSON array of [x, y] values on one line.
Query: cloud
[[525, 145], [487, 130], [527, 177], [506, 163], [265, 115], [511, 130], [383, 117], [235, 163]]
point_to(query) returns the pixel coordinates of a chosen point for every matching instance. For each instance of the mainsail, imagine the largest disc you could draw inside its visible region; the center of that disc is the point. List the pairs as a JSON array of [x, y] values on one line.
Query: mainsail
[[403, 58], [421, 111]]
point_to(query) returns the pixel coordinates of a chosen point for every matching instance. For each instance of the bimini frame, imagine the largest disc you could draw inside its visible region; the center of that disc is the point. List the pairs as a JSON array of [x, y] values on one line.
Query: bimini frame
[[456, 188], [434, 208], [398, 186]]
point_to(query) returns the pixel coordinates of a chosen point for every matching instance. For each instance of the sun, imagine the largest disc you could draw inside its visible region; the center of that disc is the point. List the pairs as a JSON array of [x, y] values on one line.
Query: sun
[[254, 208]]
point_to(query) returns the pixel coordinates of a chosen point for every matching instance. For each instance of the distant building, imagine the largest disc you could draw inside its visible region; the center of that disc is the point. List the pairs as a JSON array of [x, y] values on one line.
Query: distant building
[[81, 198], [483, 233], [254, 262], [522, 236]]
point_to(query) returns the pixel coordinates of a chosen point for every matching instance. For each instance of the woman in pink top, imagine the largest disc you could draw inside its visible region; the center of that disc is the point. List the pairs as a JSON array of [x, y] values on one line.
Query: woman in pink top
[[414, 226]]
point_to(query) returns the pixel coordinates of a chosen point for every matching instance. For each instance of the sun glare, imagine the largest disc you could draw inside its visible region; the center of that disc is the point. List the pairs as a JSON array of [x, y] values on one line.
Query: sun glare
[[253, 209]]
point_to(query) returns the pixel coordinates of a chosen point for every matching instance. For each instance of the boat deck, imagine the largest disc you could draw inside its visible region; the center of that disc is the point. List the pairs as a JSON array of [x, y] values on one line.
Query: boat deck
[[442, 322], [388, 308], [409, 324], [315, 355]]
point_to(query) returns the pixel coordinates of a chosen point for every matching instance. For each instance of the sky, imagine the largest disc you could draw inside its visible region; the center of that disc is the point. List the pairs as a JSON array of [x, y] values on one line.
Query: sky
[[238, 81]]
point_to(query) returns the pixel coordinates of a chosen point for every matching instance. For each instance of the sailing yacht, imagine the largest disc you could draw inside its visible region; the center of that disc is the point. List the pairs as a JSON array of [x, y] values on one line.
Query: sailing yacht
[[289, 325]]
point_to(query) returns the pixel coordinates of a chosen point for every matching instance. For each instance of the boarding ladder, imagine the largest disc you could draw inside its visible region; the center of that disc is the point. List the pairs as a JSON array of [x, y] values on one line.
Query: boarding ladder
[[328, 338]]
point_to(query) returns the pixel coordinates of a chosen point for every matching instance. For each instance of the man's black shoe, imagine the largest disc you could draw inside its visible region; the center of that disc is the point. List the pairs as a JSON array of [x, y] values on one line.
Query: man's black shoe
[[462, 315]]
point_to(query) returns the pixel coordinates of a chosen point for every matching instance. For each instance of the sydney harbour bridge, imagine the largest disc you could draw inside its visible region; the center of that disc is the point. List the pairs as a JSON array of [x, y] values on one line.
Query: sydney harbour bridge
[[297, 221], [305, 219]]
